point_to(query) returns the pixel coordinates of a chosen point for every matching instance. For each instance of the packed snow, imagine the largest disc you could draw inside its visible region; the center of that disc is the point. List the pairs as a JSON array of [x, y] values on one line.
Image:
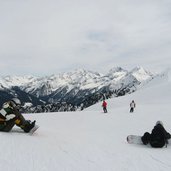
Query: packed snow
[[91, 140]]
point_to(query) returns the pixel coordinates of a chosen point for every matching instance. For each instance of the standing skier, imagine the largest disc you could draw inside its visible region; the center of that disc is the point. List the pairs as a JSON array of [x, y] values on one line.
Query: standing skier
[[10, 116], [158, 137], [104, 105], [132, 106]]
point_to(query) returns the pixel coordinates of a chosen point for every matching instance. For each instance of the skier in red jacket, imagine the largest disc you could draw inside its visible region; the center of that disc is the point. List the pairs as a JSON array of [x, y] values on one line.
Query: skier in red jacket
[[104, 105]]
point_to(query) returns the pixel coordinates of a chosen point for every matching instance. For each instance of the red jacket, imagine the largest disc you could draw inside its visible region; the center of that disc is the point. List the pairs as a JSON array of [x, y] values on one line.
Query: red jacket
[[104, 104]]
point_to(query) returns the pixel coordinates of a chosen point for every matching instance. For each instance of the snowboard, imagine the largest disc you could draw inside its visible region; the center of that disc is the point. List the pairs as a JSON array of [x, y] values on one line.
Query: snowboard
[[134, 139], [33, 130]]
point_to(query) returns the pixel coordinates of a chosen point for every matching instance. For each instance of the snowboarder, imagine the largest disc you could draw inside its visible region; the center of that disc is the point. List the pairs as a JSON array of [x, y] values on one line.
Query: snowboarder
[[158, 137], [104, 105], [10, 116], [132, 106]]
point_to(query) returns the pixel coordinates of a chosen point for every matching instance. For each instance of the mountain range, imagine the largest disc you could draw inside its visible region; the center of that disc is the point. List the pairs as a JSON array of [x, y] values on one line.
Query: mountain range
[[76, 89]]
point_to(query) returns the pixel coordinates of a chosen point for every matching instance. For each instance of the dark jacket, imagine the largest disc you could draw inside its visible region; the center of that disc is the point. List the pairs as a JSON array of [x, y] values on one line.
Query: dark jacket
[[159, 136]]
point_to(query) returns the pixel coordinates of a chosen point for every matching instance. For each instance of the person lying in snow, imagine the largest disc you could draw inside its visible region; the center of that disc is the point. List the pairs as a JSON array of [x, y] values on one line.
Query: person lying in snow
[[10, 116], [158, 137]]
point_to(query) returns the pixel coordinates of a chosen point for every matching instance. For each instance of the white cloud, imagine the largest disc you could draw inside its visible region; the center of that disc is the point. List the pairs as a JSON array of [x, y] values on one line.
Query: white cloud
[[50, 36]]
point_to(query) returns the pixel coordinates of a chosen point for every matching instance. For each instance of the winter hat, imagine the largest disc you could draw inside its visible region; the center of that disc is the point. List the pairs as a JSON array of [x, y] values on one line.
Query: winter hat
[[159, 122]]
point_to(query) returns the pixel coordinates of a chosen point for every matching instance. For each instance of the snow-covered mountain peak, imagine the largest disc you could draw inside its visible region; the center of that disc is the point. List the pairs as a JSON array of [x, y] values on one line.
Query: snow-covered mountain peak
[[68, 85], [141, 74], [78, 77], [10, 81], [116, 69], [116, 73], [83, 72], [140, 69]]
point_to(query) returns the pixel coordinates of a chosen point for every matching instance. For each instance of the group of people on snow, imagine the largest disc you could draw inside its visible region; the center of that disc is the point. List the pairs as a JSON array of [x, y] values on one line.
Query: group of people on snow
[[10, 116], [132, 106], [157, 138]]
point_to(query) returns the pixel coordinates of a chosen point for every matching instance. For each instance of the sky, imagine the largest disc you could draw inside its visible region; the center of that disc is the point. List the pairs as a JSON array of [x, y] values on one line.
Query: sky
[[44, 37], [91, 140]]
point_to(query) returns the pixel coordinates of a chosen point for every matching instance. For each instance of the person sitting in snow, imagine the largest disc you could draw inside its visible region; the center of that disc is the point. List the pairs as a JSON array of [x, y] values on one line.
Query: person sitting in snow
[[158, 137], [132, 106], [10, 116], [104, 105]]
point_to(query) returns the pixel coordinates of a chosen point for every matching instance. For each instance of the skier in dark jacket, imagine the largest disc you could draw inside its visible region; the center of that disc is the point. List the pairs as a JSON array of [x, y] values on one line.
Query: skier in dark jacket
[[10, 116], [158, 137]]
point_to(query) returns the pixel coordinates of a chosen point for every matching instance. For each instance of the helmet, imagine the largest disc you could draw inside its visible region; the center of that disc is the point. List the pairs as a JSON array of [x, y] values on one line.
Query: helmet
[[17, 102], [159, 122]]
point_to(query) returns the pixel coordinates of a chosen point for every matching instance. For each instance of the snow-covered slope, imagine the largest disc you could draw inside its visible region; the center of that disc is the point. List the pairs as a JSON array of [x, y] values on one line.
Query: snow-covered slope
[[91, 140]]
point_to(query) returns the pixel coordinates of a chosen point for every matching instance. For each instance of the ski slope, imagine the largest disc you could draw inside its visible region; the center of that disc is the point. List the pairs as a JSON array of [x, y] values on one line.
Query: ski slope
[[91, 140]]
